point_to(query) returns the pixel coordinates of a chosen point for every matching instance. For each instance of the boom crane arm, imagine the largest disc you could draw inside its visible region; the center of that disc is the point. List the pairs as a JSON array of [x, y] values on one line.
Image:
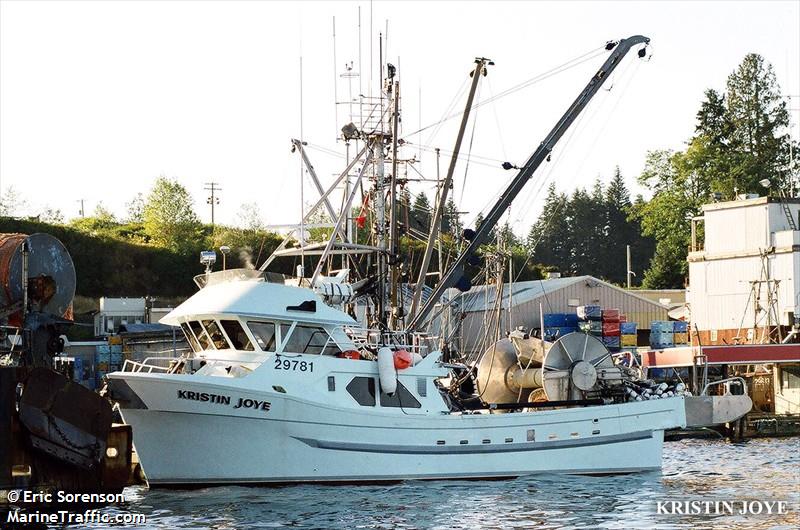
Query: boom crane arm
[[456, 271]]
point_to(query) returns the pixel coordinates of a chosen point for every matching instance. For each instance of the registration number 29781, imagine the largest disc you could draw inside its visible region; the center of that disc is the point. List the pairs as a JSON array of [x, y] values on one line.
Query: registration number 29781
[[294, 364]]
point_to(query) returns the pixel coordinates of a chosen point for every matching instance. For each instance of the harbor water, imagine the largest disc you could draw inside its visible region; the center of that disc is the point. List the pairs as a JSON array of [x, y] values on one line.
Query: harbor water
[[710, 472]]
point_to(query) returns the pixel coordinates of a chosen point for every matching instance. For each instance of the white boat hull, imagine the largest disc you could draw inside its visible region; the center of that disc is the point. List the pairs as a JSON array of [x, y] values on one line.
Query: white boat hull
[[191, 441]]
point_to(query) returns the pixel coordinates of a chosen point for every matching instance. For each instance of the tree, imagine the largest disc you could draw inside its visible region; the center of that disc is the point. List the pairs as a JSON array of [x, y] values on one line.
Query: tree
[[621, 230], [759, 121], [135, 208], [51, 216], [680, 192], [420, 218], [12, 203], [104, 214], [547, 238], [249, 217], [169, 217]]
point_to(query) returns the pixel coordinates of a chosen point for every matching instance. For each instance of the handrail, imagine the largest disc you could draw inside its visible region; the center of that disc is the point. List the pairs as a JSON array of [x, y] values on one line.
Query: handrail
[[739, 379]]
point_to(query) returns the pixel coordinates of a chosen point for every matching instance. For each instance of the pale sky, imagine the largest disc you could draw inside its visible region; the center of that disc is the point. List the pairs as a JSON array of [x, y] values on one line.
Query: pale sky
[[99, 98]]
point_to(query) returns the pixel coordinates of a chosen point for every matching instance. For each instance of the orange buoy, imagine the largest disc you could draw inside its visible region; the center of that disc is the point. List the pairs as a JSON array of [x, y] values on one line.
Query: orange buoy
[[350, 354], [402, 359]]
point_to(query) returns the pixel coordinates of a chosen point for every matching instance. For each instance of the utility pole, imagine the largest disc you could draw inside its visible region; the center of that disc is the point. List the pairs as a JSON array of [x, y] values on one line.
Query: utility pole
[[213, 200], [81, 212], [628, 261]]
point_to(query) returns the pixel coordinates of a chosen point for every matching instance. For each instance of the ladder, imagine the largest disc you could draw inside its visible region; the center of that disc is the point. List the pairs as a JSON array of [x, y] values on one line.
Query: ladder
[[788, 213]]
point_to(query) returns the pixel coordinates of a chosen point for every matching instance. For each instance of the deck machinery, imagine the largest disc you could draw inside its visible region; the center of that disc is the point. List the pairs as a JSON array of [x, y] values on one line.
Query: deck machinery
[[54, 433]]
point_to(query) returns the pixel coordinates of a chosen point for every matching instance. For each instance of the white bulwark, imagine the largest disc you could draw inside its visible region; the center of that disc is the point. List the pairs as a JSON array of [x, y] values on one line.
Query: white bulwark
[[743, 276]]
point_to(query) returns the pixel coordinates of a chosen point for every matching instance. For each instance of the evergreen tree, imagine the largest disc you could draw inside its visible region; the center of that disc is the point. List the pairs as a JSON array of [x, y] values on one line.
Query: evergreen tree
[[620, 230], [420, 218], [451, 220], [759, 121], [547, 240]]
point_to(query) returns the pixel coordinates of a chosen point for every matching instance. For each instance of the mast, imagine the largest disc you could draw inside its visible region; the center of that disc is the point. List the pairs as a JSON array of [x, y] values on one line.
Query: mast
[[394, 253], [456, 271], [480, 66]]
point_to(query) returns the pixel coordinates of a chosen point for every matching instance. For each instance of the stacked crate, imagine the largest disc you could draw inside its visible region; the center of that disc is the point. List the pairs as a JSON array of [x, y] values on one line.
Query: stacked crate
[[628, 334], [117, 360], [590, 319], [611, 329], [102, 362], [680, 331], [662, 334], [556, 325]]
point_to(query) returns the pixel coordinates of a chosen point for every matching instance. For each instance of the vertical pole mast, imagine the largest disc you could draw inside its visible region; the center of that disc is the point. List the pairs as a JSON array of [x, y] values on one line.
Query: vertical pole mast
[[628, 261], [394, 249], [480, 64]]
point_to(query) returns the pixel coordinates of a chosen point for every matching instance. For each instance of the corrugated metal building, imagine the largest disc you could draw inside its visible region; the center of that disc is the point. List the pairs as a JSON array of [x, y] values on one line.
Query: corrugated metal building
[[522, 303], [751, 247]]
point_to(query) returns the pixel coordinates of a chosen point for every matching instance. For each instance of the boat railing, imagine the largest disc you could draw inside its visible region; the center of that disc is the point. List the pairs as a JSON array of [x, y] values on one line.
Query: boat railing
[[372, 339], [145, 366], [722, 381]]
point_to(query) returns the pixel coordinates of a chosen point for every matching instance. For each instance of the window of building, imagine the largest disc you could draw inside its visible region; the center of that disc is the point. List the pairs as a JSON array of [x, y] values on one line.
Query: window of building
[[308, 339], [202, 336], [363, 391], [236, 335], [264, 333], [401, 398]]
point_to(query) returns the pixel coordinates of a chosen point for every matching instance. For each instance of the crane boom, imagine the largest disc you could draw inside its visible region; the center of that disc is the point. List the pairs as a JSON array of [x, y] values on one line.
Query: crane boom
[[456, 270]]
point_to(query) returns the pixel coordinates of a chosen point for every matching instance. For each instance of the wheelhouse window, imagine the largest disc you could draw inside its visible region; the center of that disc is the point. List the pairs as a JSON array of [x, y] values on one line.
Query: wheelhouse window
[[313, 340], [217, 338], [264, 333], [190, 338], [202, 337], [236, 335]]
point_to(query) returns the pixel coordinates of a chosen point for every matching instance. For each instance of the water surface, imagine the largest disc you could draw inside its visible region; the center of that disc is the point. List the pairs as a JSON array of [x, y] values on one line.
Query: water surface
[[694, 470]]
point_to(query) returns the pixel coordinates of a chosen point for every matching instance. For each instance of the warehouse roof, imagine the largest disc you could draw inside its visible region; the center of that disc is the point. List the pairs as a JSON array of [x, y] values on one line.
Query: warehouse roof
[[481, 297]]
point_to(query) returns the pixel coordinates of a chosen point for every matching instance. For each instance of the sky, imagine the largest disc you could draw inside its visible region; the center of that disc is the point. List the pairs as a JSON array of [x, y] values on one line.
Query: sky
[[97, 99]]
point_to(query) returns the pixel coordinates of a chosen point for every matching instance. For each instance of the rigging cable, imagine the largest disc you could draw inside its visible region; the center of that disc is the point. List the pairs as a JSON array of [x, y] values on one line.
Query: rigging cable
[[572, 63]]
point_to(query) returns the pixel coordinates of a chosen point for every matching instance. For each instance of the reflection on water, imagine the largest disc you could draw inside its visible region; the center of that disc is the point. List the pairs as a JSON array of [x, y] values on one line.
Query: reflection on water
[[694, 470]]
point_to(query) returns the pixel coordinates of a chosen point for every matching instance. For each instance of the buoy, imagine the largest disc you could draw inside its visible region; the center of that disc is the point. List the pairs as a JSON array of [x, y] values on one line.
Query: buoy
[[386, 371], [402, 359], [350, 354]]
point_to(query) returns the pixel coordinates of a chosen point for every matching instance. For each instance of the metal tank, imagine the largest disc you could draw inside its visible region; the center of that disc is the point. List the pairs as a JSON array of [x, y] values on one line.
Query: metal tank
[[50, 273]]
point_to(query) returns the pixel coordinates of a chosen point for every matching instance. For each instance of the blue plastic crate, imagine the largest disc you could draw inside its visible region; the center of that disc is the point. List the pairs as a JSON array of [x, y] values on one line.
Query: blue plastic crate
[[555, 320], [680, 326], [661, 340], [590, 312], [116, 348], [663, 326], [102, 357], [103, 348], [557, 332], [627, 328], [611, 342], [571, 320]]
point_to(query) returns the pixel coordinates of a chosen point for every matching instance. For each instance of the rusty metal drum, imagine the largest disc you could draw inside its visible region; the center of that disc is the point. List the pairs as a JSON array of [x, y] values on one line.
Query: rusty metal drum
[[51, 273]]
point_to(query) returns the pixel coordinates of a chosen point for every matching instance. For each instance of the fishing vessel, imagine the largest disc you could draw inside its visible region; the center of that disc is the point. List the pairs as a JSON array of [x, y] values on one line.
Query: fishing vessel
[[328, 378]]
